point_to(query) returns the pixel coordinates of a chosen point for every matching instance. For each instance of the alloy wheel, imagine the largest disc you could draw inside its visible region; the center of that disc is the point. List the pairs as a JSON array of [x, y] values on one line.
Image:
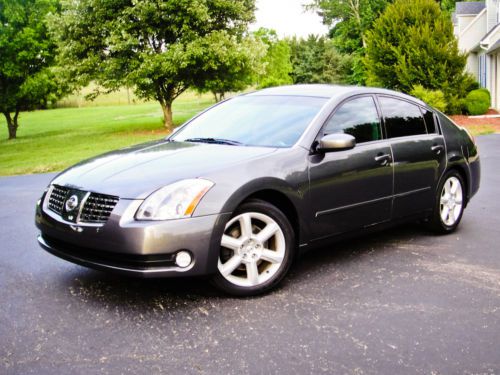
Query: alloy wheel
[[252, 249], [451, 202]]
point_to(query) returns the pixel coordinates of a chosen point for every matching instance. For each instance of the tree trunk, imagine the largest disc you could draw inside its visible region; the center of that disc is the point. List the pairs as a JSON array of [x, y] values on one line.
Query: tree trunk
[[167, 116], [12, 124], [218, 96]]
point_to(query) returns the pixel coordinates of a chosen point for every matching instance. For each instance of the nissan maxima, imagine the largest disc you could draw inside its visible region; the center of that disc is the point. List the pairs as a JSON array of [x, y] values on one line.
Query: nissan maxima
[[240, 190]]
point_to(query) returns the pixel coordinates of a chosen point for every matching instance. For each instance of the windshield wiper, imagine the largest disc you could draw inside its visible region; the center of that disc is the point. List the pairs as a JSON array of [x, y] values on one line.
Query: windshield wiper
[[220, 141]]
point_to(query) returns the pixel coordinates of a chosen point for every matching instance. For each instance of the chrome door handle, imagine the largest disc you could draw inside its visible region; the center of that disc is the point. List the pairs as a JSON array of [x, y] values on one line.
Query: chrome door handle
[[383, 159], [437, 148]]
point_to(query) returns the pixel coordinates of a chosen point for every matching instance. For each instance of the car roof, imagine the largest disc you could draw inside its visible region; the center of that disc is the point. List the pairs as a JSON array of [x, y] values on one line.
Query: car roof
[[328, 91]]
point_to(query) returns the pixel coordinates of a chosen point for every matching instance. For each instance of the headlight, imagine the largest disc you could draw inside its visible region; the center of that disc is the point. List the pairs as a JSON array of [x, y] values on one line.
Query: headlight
[[174, 201]]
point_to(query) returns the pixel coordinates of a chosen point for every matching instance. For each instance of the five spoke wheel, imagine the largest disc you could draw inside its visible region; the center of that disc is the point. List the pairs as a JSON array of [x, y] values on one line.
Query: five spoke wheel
[[451, 201], [256, 249], [253, 248]]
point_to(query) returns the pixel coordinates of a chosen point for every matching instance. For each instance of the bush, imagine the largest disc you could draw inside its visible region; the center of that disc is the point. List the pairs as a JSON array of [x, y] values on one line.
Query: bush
[[435, 98], [485, 91], [455, 105], [478, 102]]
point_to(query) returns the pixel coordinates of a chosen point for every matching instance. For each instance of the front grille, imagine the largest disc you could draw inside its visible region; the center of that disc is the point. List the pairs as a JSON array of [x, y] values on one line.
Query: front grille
[[97, 208], [57, 199]]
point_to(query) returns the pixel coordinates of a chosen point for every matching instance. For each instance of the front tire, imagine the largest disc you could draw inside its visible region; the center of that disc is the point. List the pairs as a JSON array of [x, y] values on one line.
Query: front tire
[[257, 250], [449, 205]]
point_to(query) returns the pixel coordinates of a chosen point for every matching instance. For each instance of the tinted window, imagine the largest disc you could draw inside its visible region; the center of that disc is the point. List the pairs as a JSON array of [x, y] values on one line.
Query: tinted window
[[429, 121], [402, 118], [357, 117], [256, 120]]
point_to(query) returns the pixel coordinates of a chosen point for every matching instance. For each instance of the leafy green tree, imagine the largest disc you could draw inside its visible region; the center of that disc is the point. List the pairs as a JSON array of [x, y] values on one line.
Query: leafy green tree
[[412, 43], [316, 60], [349, 20], [26, 56], [276, 62], [236, 68], [449, 5], [158, 47]]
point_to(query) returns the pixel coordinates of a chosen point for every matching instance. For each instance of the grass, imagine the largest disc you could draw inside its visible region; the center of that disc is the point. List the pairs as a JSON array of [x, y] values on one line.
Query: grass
[[52, 140], [481, 129], [123, 96]]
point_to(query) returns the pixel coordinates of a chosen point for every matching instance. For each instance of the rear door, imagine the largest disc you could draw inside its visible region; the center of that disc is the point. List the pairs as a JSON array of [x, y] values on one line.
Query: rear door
[[353, 188], [419, 154]]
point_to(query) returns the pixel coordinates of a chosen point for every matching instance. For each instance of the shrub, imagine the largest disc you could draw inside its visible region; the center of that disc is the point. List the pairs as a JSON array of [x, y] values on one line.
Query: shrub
[[435, 98], [478, 102], [485, 91], [455, 105]]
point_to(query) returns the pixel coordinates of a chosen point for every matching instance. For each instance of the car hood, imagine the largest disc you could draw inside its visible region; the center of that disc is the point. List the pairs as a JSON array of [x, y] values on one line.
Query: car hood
[[135, 172]]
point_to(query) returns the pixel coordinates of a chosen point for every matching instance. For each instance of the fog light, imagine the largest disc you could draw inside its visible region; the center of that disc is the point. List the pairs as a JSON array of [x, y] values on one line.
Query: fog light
[[183, 259]]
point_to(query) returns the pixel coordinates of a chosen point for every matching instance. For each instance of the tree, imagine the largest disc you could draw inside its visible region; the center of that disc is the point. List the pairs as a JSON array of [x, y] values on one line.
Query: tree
[[237, 65], [349, 20], [158, 47], [449, 5], [277, 65], [412, 43], [316, 60], [26, 56]]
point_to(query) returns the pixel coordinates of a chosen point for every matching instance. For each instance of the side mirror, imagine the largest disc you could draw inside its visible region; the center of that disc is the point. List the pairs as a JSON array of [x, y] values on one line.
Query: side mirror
[[336, 142]]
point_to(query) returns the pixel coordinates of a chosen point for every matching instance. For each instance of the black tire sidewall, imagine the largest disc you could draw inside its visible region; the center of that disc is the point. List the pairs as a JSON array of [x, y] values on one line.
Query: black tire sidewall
[[290, 249]]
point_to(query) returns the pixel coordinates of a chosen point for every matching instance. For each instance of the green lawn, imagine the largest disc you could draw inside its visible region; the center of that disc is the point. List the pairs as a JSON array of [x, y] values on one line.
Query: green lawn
[[53, 139]]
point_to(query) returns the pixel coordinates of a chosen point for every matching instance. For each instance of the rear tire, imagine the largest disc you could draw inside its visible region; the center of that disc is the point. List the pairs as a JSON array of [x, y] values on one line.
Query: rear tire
[[449, 205], [257, 250]]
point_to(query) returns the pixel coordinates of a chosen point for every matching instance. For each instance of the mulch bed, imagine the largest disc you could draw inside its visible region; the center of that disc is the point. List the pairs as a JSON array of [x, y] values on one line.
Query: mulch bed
[[479, 124]]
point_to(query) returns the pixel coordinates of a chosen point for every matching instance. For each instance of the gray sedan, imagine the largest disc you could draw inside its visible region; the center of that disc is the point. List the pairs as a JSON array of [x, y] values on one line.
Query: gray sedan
[[239, 191]]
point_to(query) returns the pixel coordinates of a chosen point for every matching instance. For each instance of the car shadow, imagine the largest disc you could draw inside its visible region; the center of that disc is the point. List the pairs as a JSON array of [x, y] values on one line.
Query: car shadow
[[117, 290]]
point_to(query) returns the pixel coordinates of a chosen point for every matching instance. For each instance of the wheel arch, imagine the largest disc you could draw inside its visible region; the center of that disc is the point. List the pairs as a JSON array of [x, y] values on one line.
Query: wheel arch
[[276, 192], [283, 203]]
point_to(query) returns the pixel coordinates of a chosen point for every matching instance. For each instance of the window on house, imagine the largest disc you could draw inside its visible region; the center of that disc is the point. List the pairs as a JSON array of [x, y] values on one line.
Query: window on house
[[482, 70]]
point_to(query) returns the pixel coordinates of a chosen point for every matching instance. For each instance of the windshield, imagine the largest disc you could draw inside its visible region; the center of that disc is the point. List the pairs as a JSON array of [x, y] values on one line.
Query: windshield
[[273, 121]]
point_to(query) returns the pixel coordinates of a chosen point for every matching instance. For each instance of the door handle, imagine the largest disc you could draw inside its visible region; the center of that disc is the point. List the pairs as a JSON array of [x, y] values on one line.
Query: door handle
[[383, 159], [437, 148]]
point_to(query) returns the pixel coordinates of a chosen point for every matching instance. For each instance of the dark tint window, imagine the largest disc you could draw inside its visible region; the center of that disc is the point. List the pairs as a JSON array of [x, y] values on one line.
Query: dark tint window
[[429, 121], [402, 118], [357, 117]]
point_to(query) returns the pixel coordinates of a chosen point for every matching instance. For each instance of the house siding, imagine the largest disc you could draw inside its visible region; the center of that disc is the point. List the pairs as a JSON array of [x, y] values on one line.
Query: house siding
[[470, 36], [479, 35], [492, 11]]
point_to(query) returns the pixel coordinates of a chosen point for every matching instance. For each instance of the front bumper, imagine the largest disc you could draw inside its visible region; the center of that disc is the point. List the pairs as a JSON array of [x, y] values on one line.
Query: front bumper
[[135, 248]]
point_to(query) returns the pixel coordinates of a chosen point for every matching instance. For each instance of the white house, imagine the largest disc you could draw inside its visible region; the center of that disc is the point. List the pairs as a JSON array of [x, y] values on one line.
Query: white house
[[477, 27]]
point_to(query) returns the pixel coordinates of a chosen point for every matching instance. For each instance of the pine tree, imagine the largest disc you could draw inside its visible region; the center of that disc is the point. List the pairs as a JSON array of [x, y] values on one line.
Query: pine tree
[[412, 43]]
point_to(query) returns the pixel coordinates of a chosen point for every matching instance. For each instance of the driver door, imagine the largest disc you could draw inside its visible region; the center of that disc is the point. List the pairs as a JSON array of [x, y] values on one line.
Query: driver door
[[352, 189]]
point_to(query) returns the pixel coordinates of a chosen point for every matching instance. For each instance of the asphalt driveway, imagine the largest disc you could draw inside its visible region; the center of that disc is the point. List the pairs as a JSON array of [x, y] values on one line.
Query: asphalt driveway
[[402, 301]]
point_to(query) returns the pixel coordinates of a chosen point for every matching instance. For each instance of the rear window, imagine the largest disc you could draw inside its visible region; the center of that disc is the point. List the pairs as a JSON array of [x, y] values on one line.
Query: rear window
[[401, 118], [430, 122]]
